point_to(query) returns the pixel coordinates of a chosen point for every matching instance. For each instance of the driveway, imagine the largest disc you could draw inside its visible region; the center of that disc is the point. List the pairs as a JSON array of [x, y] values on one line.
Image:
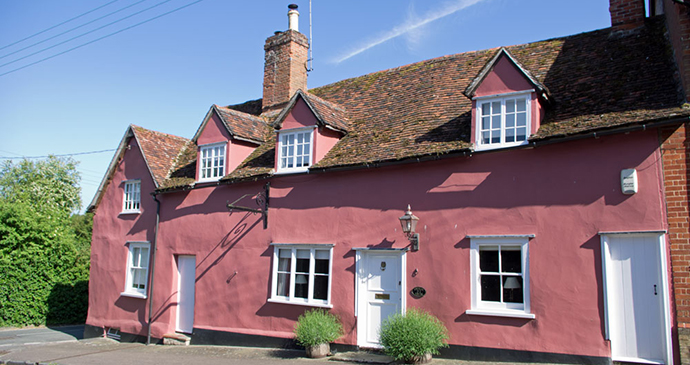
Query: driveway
[[10, 338]]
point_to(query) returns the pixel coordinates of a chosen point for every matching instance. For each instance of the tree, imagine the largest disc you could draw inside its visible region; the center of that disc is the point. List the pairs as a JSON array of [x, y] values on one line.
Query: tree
[[43, 265]]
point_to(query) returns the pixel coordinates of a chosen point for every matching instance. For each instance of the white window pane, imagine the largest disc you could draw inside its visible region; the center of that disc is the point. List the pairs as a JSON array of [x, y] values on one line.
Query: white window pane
[[496, 122], [284, 253], [300, 138], [283, 285], [496, 107], [307, 137], [144, 257], [510, 135], [510, 106], [322, 254], [486, 109], [522, 119], [303, 254], [299, 149], [496, 137], [485, 137], [522, 105], [510, 120], [485, 123]]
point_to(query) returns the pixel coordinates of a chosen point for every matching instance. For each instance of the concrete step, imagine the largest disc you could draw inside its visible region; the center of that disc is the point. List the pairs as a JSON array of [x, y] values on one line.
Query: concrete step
[[362, 357], [176, 339]]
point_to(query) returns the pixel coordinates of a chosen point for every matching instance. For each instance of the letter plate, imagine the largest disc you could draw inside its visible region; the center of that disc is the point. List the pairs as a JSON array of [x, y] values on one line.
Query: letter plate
[[382, 296]]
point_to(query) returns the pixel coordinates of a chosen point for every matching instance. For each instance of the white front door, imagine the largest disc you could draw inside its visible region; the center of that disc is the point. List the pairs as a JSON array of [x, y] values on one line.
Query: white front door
[[637, 298], [186, 278], [380, 292]]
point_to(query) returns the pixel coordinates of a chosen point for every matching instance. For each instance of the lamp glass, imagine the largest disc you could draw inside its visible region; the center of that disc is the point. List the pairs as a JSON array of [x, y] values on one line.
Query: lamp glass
[[408, 222]]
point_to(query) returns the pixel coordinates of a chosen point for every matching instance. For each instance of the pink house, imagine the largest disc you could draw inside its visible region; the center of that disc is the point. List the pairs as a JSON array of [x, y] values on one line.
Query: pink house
[[541, 175]]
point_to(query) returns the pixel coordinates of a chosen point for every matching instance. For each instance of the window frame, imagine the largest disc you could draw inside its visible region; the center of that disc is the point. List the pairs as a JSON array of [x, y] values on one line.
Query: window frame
[[295, 131], [527, 95], [291, 299], [129, 290], [200, 161], [135, 183], [501, 309]]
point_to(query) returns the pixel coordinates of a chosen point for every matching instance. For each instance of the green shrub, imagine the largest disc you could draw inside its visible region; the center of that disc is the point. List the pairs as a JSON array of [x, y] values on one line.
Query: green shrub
[[412, 334], [317, 326]]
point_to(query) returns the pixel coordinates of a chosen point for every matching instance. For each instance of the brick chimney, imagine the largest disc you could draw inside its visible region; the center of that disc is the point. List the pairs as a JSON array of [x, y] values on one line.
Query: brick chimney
[[628, 13], [285, 64]]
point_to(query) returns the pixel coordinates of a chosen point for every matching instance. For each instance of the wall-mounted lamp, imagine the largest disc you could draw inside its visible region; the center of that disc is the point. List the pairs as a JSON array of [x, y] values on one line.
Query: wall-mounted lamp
[[409, 225]]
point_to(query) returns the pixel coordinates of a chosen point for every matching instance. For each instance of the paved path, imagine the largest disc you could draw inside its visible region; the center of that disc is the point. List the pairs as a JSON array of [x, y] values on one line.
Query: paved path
[[61, 346]]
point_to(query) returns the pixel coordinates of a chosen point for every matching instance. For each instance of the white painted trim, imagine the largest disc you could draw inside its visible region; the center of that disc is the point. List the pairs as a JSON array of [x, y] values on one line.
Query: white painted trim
[[133, 295], [665, 294], [500, 309], [501, 313], [290, 299], [496, 96], [136, 293], [501, 236], [361, 255], [200, 164], [279, 152], [635, 360], [478, 145]]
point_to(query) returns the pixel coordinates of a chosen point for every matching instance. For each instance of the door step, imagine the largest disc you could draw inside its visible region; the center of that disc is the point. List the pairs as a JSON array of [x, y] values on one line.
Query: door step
[[176, 339]]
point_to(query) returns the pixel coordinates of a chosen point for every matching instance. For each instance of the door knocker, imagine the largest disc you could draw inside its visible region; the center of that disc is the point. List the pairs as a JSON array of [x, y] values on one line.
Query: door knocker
[[383, 266]]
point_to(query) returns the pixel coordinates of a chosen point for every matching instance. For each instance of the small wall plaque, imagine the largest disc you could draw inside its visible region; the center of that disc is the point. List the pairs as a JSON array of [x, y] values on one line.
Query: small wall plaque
[[417, 292]]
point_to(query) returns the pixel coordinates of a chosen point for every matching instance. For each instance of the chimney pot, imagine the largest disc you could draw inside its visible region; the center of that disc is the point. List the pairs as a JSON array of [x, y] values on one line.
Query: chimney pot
[[293, 18]]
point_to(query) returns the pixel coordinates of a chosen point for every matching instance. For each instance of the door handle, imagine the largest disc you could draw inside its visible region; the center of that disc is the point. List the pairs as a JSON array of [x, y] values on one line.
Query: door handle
[[654, 289]]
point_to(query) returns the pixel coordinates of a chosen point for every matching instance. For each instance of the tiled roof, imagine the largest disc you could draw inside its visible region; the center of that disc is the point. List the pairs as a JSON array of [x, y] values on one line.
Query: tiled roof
[[597, 81], [160, 151], [241, 124]]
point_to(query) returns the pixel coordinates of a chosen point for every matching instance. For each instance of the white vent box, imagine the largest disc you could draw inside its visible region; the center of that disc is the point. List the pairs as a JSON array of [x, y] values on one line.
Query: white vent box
[[629, 181]]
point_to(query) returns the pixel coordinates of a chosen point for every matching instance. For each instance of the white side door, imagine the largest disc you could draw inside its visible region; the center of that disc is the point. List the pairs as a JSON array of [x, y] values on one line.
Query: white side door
[[638, 323], [186, 278], [380, 292]]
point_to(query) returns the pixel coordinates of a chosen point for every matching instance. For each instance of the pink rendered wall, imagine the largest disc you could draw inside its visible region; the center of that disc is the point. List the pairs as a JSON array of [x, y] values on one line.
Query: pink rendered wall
[[506, 78], [238, 152], [554, 192], [214, 132], [503, 78], [109, 250], [324, 140], [300, 116]]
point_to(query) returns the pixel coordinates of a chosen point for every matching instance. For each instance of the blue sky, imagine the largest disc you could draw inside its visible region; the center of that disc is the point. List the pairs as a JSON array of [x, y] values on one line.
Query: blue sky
[[165, 73]]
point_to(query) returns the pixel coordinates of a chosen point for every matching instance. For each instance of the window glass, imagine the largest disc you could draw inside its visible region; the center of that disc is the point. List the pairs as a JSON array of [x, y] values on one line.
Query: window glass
[[212, 166], [503, 122], [137, 268], [295, 150], [132, 196], [308, 279]]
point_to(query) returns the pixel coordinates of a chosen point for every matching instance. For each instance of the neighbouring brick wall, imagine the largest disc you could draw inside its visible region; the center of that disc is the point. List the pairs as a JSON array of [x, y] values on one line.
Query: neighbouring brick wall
[[285, 67], [678, 24], [626, 12], [675, 159]]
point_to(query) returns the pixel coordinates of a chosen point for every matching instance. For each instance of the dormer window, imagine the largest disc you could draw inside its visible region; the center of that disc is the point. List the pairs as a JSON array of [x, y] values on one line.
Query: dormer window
[[212, 162], [503, 121], [295, 150]]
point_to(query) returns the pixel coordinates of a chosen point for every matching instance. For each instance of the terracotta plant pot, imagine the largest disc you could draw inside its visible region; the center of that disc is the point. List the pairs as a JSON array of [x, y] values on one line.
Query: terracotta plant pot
[[318, 351], [423, 359]]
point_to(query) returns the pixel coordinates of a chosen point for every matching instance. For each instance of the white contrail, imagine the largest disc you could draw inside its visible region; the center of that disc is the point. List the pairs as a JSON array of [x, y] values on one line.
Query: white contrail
[[410, 25]]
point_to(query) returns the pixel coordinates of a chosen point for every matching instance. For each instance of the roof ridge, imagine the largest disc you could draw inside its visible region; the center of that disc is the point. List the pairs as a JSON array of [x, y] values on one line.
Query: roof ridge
[[239, 113], [161, 133]]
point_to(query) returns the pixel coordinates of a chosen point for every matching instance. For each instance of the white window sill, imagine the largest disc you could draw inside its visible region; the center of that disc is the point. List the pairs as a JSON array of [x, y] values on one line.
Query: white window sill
[[215, 179], [133, 295], [489, 147], [127, 212], [307, 304], [287, 172], [500, 313]]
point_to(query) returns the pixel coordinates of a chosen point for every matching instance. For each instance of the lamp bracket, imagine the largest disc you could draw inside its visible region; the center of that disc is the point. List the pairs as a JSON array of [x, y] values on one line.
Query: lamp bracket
[[414, 241], [261, 200]]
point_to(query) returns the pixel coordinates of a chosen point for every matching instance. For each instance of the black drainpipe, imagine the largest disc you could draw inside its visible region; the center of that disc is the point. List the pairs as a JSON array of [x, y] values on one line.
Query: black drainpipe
[[153, 265]]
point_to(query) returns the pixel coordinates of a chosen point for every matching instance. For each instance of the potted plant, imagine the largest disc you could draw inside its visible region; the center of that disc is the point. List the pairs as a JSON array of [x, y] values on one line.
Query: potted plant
[[413, 337], [315, 330]]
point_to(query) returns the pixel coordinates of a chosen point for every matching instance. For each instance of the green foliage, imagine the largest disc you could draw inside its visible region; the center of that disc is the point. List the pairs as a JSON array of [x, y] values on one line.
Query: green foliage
[[44, 253], [412, 334], [317, 326]]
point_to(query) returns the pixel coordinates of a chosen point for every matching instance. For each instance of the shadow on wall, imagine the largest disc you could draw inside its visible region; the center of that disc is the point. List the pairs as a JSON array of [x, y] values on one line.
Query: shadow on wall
[[68, 303]]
